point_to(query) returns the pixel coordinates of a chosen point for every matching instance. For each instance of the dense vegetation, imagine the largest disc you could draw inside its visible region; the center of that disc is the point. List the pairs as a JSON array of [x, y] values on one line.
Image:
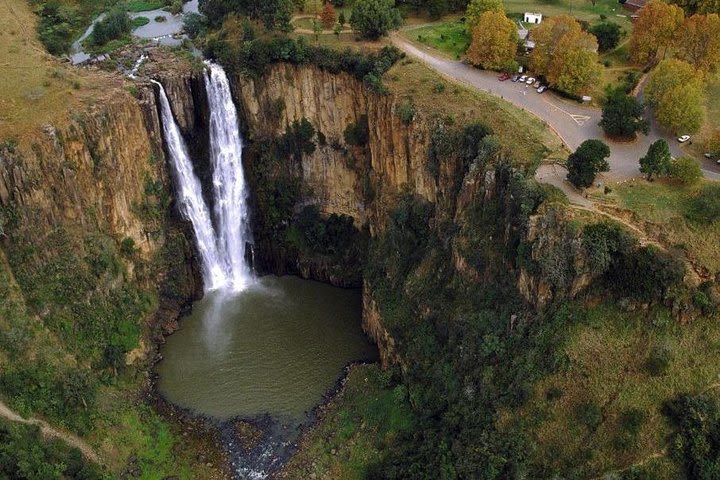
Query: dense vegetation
[[252, 57], [26, 455]]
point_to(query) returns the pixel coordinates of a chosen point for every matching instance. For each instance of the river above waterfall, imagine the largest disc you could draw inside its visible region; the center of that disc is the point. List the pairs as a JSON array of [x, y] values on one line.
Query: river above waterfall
[[274, 348]]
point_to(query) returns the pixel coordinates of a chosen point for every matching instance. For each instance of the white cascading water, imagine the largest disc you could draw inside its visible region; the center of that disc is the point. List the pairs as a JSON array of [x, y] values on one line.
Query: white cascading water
[[190, 199], [229, 189], [222, 248]]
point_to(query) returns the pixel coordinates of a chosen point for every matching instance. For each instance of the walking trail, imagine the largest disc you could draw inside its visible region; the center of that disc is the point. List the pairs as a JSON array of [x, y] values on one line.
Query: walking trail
[[50, 431]]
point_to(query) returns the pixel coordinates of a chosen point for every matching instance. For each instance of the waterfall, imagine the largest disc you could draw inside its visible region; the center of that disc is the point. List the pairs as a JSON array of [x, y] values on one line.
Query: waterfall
[[222, 246], [190, 199], [231, 211]]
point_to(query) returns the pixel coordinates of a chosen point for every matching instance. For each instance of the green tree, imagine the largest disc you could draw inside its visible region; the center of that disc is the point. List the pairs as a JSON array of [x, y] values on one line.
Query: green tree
[[622, 116], [477, 7], [675, 91], [588, 160], [657, 161], [686, 171], [372, 19], [115, 25], [608, 35]]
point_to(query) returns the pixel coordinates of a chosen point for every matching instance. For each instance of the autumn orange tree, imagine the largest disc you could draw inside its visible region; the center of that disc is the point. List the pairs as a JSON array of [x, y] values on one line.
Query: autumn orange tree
[[565, 54], [494, 42], [675, 91], [698, 42], [654, 30], [327, 16]]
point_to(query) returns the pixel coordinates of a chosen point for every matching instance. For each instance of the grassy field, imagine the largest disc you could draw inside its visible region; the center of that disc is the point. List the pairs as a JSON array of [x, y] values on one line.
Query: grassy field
[[37, 88], [355, 426], [660, 207], [449, 37], [582, 9], [605, 408]]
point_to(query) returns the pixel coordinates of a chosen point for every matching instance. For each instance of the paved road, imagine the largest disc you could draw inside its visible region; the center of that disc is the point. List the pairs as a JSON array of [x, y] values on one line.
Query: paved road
[[573, 123]]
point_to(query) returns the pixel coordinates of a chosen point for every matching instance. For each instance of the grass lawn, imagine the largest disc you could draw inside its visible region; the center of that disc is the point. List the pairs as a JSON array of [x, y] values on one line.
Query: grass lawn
[[139, 22], [581, 9], [450, 37], [661, 207], [580, 410], [144, 5]]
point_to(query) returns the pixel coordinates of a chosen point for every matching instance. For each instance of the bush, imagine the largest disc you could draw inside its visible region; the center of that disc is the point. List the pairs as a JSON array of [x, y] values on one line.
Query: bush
[[659, 359], [608, 35], [705, 206], [685, 170], [160, 18], [357, 134], [406, 111], [194, 24], [57, 26]]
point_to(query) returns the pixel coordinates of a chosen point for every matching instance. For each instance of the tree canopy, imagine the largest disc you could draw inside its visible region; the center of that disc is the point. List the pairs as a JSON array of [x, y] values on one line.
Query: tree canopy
[[675, 91], [274, 14], [622, 116], [657, 161], [607, 34], [477, 7], [654, 30], [698, 42], [588, 160], [372, 19], [494, 42], [565, 54]]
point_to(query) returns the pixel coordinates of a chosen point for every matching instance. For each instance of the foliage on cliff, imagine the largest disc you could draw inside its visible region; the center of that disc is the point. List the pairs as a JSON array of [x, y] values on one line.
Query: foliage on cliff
[[252, 57]]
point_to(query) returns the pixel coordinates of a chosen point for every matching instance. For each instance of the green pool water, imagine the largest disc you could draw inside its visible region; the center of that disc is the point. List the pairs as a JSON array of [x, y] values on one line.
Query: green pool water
[[274, 348]]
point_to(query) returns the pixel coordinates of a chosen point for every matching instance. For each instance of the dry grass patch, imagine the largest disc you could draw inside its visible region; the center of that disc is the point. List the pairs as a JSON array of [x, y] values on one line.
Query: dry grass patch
[[525, 139]]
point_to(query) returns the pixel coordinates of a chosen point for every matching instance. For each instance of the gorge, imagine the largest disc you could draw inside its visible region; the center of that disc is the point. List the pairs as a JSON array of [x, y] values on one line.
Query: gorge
[[514, 330]]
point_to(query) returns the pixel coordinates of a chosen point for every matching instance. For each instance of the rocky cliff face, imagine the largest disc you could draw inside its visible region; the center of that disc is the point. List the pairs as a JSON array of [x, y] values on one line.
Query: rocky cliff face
[[103, 173], [395, 155]]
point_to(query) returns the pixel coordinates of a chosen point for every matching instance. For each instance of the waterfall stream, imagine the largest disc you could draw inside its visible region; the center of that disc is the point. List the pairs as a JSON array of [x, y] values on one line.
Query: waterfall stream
[[228, 180], [222, 243], [190, 199]]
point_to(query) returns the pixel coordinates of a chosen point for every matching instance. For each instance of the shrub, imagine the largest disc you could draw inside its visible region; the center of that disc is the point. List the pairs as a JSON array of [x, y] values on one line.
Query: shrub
[[705, 205], [406, 111], [659, 359], [194, 24], [357, 134], [160, 19], [589, 414], [685, 170]]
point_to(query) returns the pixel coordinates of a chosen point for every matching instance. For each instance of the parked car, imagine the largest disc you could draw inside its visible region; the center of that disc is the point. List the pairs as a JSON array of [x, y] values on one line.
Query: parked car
[[542, 88], [683, 138], [515, 77], [537, 84], [503, 76], [522, 78], [530, 80]]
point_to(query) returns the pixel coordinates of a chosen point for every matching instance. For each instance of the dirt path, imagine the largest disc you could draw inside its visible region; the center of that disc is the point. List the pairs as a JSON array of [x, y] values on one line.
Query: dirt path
[[50, 431]]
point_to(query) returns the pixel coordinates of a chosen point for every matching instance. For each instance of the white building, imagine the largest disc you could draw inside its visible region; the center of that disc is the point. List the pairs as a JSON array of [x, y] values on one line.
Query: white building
[[532, 17]]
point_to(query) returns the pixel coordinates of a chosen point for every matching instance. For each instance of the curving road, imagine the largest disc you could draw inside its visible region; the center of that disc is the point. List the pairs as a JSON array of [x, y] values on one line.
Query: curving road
[[572, 122]]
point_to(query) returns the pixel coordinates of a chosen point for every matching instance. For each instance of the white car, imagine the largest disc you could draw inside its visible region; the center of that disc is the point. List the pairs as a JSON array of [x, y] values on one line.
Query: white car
[[541, 88], [683, 138], [530, 80], [523, 78]]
